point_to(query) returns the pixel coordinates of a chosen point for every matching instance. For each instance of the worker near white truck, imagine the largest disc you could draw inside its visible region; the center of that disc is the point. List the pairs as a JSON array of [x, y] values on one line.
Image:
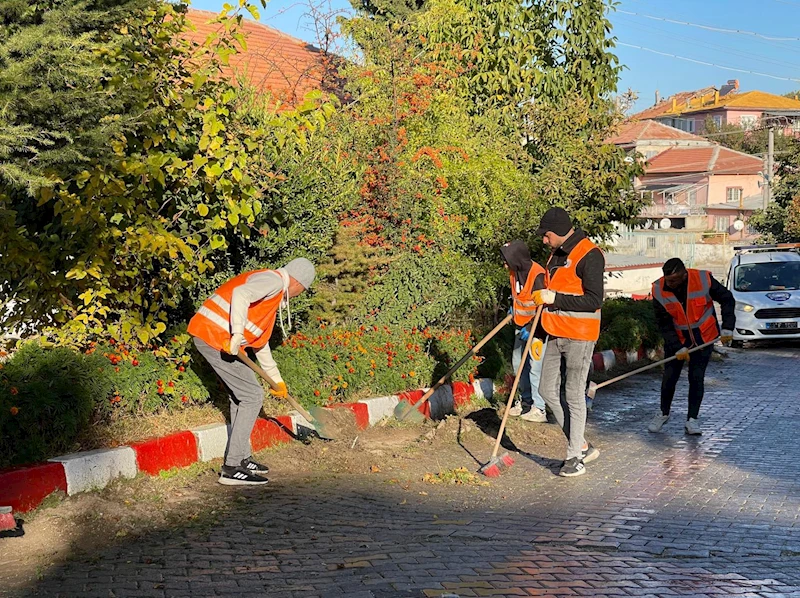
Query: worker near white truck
[[683, 300]]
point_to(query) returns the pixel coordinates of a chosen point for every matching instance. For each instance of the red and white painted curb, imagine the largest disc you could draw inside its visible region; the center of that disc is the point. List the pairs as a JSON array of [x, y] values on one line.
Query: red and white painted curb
[[24, 488], [602, 361]]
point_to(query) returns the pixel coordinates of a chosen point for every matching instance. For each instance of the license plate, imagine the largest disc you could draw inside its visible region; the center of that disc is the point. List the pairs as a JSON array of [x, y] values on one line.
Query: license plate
[[779, 325]]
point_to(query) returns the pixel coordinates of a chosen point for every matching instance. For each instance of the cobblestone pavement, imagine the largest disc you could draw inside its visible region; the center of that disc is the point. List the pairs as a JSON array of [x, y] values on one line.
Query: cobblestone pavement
[[657, 515]]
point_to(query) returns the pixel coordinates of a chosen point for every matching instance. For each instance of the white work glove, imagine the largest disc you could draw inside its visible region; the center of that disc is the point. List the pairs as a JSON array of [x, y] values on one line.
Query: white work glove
[[544, 297], [726, 336], [683, 354], [235, 343]]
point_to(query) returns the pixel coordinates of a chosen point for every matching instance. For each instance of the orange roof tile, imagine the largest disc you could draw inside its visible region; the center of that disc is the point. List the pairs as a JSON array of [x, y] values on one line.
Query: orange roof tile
[[274, 62], [710, 160], [633, 131]]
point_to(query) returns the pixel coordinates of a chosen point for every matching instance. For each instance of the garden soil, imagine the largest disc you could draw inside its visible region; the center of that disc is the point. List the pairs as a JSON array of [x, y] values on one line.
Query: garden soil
[[436, 460]]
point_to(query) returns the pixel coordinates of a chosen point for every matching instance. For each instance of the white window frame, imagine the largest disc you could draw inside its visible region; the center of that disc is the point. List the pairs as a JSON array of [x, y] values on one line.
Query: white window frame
[[747, 121], [717, 118], [722, 224], [731, 197]]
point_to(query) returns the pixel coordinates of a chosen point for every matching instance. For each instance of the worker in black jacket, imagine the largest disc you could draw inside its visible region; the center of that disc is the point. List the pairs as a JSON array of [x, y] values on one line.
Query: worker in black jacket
[[683, 300]]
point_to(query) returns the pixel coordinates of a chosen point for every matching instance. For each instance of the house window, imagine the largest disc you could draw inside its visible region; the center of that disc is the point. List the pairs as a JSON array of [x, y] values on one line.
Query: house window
[[747, 121], [717, 120], [722, 223], [733, 194], [796, 125], [691, 197]]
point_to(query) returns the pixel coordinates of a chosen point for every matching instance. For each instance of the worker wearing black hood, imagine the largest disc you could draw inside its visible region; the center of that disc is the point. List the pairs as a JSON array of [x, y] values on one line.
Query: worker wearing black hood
[[526, 276]]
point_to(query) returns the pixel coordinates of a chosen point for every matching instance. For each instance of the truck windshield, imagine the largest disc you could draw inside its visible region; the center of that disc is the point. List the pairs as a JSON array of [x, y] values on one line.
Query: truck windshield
[[767, 276]]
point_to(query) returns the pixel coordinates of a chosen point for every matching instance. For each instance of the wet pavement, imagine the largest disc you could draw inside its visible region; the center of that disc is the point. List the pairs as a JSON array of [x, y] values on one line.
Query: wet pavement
[[656, 515]]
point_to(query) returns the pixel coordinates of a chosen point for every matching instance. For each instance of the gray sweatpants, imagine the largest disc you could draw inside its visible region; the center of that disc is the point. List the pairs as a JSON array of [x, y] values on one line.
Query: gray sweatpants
[[247, 398], [570, 414]]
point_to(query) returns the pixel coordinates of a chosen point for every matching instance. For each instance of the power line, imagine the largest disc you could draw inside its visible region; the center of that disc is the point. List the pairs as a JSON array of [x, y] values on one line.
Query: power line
[[710, 28], [697, 42], [719, 66]]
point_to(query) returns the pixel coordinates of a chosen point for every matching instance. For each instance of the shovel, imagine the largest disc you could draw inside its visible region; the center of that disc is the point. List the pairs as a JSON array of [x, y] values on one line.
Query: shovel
[[593, 388], [404, 408], [497, 465], [321, 419]]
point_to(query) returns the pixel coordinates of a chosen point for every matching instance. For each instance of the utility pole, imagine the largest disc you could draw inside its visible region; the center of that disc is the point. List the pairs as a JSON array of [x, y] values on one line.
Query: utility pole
[[770, 166]]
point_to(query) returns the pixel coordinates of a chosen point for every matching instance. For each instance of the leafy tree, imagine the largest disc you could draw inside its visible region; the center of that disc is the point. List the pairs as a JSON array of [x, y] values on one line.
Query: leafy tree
[[780, 222], [60, 101], [390, 9], [514, 53], [121, 244], [750, 141]]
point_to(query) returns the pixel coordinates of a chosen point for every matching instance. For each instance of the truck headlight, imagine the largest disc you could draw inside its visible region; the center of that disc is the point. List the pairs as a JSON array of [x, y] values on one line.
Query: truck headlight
[[746, 307]]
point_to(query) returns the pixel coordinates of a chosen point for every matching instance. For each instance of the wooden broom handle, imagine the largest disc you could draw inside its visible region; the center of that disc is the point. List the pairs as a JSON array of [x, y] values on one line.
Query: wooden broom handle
[[517, 378]]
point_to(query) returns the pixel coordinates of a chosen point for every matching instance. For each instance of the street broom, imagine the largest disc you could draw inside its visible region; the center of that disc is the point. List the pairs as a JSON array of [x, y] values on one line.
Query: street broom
[[497, 465], [593, 387], [318, 417], [405, 408]]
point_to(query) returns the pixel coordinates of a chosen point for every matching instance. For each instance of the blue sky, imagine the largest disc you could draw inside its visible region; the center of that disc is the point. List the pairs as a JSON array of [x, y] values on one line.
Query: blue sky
[[645, 71]]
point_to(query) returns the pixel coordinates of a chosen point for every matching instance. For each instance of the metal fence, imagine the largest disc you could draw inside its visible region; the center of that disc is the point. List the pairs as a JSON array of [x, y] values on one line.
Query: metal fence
[[657, 245]]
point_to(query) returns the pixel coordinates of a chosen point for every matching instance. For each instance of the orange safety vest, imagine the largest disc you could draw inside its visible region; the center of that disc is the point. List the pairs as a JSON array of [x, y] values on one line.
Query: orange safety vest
[[524, 307], [212, 322], [575, 325], [700, 307]]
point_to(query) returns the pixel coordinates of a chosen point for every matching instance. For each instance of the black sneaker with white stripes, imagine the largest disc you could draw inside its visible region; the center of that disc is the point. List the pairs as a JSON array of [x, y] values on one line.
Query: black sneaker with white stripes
[[572, 467], [254, 466], [240, 476]]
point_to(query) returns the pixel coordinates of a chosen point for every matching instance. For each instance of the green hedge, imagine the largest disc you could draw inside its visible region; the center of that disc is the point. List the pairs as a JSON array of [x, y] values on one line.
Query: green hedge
[[627, 325], [50, 395]]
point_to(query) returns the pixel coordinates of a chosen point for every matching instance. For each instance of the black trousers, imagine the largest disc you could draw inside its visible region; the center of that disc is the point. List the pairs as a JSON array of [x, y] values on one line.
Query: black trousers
[[698, 362]]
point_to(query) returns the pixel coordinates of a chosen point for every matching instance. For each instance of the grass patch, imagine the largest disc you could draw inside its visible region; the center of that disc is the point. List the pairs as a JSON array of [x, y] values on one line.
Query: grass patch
[[134, 429], [460, 476]]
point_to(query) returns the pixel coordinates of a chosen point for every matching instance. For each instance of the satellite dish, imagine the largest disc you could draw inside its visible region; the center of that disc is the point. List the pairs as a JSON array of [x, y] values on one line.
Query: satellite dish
[[648, 223], [665, 223], [738, 225]]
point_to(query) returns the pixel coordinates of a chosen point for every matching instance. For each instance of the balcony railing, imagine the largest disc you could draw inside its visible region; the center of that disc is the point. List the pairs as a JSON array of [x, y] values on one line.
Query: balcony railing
[[672, 210]]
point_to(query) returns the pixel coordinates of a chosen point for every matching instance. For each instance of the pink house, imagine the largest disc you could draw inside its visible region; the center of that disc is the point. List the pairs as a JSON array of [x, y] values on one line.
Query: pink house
[[702, 188], [689, 111]]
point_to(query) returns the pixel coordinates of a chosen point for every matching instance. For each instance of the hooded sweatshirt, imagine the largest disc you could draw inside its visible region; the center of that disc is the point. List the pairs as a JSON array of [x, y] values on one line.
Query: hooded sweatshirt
[[518, 257]]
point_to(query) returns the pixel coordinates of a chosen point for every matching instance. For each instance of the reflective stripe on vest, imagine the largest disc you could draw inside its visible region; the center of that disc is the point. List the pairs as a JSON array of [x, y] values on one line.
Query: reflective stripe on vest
[[700, 307], [576, 325], [524, 306], [212, 322]]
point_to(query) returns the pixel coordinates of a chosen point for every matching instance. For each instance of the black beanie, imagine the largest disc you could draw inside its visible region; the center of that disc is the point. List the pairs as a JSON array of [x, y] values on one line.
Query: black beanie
[[555, 220]]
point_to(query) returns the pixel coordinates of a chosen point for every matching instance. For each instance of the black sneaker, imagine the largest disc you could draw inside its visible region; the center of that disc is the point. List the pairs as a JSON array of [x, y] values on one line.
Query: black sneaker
[[590, 454], [254, 467], [572, 467], [239, 476]]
